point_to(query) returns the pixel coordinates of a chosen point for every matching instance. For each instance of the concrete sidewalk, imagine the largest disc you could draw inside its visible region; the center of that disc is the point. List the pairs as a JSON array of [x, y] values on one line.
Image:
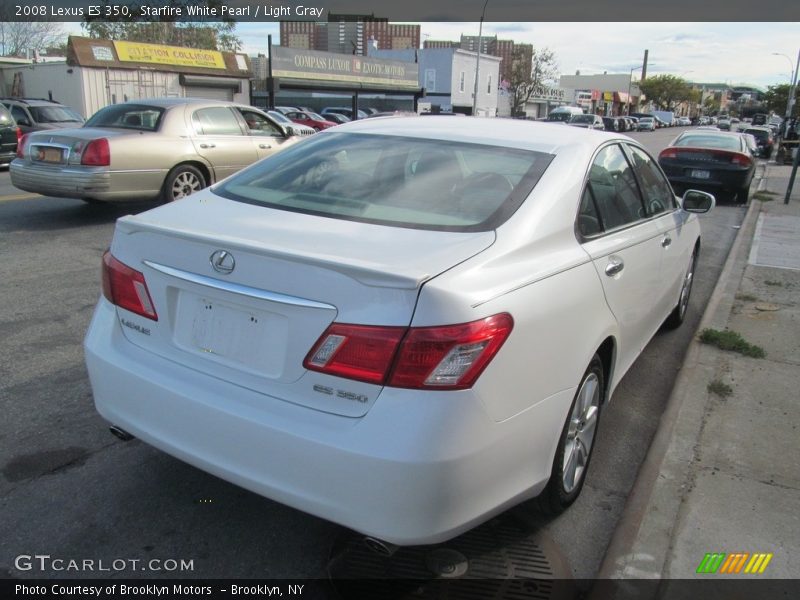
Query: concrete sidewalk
[[723, 472]]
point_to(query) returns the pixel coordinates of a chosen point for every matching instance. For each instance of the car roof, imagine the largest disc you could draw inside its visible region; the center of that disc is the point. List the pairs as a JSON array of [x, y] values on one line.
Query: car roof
[[539, 136], [168, 102]]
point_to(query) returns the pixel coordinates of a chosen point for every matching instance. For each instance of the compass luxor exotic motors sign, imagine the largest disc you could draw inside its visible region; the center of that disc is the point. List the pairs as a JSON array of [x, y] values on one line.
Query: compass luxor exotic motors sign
[[169, 55], [345, 68]]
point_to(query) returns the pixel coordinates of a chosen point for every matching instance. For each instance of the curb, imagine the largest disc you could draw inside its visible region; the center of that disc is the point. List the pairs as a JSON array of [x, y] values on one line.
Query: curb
[[622, 550]]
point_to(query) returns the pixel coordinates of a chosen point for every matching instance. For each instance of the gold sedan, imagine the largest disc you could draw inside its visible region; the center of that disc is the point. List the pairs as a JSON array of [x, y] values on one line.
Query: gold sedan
[[161, 149]]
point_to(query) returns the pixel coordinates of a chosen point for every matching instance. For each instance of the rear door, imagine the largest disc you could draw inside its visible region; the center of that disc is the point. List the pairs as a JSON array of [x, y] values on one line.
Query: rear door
[[265, 136], [220, 138], [625, 246]]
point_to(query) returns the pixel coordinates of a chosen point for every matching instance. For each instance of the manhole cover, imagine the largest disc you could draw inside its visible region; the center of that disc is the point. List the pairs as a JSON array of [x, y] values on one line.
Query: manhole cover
[[496, 561]]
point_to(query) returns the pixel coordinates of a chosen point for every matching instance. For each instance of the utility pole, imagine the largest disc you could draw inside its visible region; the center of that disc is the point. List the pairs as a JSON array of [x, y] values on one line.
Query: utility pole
[[478, 62]]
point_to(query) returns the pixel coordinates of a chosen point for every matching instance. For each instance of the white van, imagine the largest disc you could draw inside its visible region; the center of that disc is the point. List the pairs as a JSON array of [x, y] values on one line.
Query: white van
[[563, 113]]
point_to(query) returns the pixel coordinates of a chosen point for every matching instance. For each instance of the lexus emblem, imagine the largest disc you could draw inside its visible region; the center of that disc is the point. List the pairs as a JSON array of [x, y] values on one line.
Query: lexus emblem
[[223, 262]]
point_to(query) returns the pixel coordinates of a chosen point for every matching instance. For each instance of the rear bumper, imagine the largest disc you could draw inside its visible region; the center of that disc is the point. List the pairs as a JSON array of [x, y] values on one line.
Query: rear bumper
[[93, 183], [418, 468]]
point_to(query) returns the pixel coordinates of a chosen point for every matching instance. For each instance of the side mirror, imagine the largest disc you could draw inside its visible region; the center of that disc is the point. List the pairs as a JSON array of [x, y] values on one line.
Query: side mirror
[[695, 201]]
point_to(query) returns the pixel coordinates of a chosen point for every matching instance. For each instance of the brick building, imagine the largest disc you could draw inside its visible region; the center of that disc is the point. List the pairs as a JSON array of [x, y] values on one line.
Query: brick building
[[348, 34]]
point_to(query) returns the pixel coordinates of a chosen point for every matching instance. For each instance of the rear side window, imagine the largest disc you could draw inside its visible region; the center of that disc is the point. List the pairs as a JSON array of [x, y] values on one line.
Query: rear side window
[[613, 189], [127, 116], [393, 180], [218, 120]]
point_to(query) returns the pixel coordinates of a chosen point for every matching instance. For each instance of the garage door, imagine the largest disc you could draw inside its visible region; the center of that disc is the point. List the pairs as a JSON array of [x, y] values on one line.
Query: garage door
[[209, 93]]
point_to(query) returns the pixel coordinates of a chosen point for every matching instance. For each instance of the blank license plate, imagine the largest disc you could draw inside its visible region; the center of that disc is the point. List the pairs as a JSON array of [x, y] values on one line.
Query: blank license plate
[[700, 174], [234, 334], [49, 155]]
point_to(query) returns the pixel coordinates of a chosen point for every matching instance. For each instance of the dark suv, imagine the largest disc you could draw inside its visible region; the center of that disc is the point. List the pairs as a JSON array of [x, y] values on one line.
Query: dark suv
[[764, 139], [33, 114], [9, 137]]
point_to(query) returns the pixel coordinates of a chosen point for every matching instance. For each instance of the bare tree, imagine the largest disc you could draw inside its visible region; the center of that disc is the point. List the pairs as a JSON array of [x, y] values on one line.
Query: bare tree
[[530, 79], [18, 37]]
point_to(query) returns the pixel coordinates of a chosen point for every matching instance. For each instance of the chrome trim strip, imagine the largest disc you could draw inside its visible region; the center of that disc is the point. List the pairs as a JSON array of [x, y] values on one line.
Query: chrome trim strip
[[236, 288]]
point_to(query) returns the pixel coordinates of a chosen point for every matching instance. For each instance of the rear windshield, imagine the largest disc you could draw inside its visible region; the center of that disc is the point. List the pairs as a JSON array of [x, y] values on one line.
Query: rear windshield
[[559, 116], [127, 116], [54, 114], [759, 133], [393, 180], [582, 119], [723, 142]]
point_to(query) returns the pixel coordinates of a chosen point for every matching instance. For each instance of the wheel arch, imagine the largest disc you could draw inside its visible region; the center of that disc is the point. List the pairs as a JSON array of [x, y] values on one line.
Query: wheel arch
[[607, 351]]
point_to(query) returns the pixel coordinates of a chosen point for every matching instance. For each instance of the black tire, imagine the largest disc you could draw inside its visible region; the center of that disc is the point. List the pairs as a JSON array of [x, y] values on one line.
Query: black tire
[[741, 195], [678, 314], [181, 181], [561, 491]]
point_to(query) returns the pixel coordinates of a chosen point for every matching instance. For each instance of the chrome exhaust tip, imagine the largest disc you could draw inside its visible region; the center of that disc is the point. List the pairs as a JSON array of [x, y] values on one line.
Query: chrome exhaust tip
[[380, 547], [121, 433]]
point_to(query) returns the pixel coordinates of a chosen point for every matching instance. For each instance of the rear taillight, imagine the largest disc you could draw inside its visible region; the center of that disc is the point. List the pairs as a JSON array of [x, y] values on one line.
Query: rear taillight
[[96, 153], [668, 153], [741, 159], [450, 357], [19, 136], [22, 144], [126, 288]]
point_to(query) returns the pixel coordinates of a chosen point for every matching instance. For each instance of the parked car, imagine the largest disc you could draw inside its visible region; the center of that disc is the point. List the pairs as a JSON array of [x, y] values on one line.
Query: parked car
[[33, 114], [337, 118], [710, 160], [268, 330], [563, 114], [10, 135], [684, 121], [646, 124], [724, 124], [586, 121], [342, 110], [285, 109], [611, 123], [752, 144], [165, 148], [760, 119], [282, 119], [310, 119], [764, 140]]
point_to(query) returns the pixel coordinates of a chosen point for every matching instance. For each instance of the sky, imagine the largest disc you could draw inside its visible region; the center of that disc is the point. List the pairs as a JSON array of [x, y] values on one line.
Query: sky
[[732, 53]]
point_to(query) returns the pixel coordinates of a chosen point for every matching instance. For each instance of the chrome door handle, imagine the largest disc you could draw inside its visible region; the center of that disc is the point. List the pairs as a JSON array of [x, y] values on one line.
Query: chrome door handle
[[666, 242], [208, 145], [614, 266], [264, 146]]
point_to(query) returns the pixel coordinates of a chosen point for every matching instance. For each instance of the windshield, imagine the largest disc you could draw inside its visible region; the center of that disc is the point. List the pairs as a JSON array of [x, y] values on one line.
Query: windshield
[[646, 120], [315, 116], [393, 180], [127, 116], [54, 114]]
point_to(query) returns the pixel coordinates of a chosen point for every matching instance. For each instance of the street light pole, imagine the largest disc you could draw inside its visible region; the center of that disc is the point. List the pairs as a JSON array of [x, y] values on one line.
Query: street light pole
[[478, 62], [792, 81], [630, 82]]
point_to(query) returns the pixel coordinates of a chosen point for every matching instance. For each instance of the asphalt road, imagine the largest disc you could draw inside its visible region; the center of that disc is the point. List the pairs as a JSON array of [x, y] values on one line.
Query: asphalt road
[[70, 490]]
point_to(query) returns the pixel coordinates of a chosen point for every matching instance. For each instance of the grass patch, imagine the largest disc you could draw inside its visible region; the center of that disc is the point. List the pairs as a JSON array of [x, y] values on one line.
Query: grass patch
[[723, 390], [732, 342], [765, 196], [774, 283], [746, 297]]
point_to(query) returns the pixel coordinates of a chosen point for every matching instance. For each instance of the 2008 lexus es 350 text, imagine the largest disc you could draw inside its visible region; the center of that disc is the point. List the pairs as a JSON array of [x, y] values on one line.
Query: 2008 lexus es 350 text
[[402, 325]]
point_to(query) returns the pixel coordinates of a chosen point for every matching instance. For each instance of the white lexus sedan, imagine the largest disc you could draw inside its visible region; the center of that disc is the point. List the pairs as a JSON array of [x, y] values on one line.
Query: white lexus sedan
[[405, 325]]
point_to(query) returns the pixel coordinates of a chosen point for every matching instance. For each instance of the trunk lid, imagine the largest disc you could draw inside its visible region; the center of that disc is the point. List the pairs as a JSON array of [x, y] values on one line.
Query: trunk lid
[[292, 275]]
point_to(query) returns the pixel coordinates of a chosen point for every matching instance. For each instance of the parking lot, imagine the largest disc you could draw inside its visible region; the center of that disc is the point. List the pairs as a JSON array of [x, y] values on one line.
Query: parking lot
[[71, 490]]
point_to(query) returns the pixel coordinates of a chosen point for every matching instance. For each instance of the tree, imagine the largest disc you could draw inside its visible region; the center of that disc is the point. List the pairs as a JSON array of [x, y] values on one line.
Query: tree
[[18, 37], [529, 78], [776, 97], [208, 35], [665, 91]]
